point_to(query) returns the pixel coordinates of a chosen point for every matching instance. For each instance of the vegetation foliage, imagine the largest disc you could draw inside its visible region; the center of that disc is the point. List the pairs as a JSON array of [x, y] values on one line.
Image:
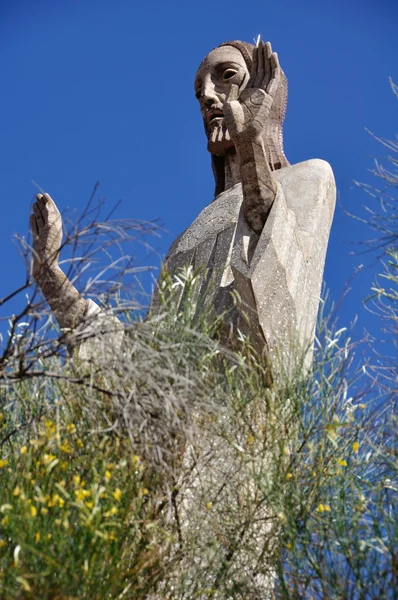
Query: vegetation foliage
[[176, 468]]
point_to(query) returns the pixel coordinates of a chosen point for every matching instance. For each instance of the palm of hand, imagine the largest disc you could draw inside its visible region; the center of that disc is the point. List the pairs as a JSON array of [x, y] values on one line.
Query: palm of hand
[[46, 226], [246, 114]]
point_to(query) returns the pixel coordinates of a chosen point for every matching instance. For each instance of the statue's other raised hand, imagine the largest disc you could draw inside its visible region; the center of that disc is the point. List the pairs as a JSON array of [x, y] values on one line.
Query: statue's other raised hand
[[246, 114], [46, 226]]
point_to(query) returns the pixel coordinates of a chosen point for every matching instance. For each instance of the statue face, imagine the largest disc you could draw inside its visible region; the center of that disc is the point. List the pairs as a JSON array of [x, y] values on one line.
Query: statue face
[[221, 67]]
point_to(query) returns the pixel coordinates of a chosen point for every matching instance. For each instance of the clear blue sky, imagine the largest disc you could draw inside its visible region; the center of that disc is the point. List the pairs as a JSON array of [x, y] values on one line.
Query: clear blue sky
[[103, 90]]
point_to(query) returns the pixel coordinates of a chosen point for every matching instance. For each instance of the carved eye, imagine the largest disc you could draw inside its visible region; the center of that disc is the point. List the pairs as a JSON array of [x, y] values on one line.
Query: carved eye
[[228, 74]]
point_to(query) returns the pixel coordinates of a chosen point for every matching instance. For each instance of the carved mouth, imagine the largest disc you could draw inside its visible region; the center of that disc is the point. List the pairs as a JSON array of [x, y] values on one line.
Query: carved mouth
[[214, 115]]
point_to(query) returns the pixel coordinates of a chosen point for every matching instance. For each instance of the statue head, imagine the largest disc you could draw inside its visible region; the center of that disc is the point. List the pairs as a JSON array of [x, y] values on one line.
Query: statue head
[[231, 62]]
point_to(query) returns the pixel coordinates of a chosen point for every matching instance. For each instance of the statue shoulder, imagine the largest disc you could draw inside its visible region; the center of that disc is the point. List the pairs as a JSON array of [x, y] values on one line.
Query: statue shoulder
[[309, 186], [315, 170]]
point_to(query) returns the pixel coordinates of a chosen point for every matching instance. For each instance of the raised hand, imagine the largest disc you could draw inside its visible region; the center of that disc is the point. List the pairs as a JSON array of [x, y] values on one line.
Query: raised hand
[[46, 226], [246, 114]]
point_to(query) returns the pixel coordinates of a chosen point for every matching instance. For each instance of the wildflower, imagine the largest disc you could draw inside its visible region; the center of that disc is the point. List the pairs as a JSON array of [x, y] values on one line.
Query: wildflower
[[82, 494], [79, 443], [89, 504], [33, 510], [3, 462], [65, 447], [117, 494], [342, 462], [3, 543], [113, 511], [71, 428], [108, 475], [209, 505], [47, 458], [23, 450], [323, 508], [250, 439], [4, 521], [16, 491], [76, 479], [355, 447], [37, 537], [289, 476], [44, 510], [50, 427]]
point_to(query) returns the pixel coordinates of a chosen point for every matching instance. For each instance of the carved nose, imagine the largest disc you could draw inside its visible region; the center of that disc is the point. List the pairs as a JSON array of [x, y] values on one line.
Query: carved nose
[[209, 96], [208, 102]]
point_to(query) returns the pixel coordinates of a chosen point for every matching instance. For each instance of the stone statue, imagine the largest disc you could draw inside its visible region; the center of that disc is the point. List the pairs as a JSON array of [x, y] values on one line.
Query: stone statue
[[260, 245]]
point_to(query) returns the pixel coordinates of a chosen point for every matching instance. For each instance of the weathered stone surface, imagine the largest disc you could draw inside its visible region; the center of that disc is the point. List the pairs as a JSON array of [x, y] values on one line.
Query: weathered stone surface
[[278, 275]]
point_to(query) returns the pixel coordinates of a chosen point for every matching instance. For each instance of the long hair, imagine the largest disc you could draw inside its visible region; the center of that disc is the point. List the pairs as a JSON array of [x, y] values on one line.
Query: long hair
[[273, 130]]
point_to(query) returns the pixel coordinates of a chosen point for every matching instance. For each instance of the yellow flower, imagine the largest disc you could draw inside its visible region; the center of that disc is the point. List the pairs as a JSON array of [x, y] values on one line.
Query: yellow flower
[[17, 491], [4, 520], [33, 510], [76, 479], [79, 443], [50, 426], [355, 447], [89, 503], [37, 537], [3, 462], [108, 475], [71, 428], [342, 462], [82, 494], [209, 505], [44, 510], [289, 476], [323, 508], [112, 512], [23, 450], [117, 494], [3, 543], [47, 458], [65, 447], [250, 439]]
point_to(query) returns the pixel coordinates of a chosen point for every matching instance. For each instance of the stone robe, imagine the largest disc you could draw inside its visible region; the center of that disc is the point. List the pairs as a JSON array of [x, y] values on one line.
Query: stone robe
[[266, 286]]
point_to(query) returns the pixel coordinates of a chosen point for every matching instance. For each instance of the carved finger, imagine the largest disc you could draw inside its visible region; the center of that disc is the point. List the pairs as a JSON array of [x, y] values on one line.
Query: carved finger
[[33, 226], [233, 92], [267, 65], [38, 215], [275, 77], [253, 73], [260, 66], [41, 202]]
